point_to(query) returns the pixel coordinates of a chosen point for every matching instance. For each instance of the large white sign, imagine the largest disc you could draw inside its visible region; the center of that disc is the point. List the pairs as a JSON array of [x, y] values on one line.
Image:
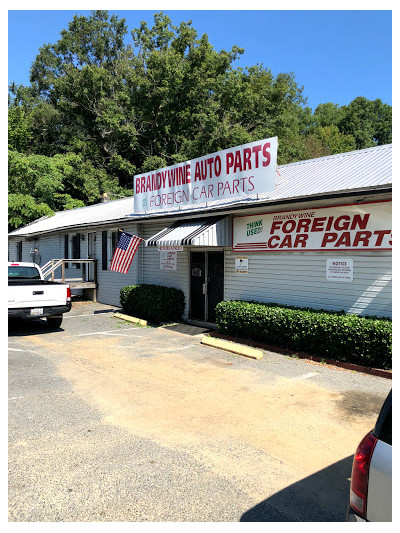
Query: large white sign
[[365, 226], [233, 173]]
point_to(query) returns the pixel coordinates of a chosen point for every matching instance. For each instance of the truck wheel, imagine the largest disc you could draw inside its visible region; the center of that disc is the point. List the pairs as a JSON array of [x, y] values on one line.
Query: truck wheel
[[54, 321]]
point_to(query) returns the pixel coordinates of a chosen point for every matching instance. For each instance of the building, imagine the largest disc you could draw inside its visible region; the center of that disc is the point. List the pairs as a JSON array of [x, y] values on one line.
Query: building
[[320, 239]]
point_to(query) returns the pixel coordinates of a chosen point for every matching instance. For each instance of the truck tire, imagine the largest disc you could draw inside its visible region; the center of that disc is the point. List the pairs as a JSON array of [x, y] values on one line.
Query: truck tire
[[54, 321]]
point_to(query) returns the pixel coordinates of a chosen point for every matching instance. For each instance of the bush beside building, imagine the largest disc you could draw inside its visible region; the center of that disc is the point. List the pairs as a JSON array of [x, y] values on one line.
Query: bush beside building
[[336, 335]]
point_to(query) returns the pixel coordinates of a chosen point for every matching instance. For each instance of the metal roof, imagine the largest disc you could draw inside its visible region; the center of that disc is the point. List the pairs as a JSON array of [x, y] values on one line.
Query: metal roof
[[82, 216], [350, 171]]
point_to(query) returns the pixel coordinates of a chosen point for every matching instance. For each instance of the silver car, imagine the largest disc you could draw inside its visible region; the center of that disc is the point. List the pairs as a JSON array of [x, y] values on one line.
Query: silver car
[[371, 476]]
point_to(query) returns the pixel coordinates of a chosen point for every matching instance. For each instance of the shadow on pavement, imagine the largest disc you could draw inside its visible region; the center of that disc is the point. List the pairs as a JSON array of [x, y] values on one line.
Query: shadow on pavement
[[21, 328], [187, 329], [322, 497]]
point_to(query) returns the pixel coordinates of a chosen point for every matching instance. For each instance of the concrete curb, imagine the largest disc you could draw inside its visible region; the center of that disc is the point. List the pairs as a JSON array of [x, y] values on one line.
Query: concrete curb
[[131, 319], [339, 364], [234, 347]]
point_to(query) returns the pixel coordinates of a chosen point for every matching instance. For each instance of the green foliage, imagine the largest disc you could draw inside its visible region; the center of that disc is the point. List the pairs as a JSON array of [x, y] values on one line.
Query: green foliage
[[19, 130], [153, 302], [332, 129], [23, 209], [67, 202], [369, 122], [58, 180], [334, 335], [333, 140]]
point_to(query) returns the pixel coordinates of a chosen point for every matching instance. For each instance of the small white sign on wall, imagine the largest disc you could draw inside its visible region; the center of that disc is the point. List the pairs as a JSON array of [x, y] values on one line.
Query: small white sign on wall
[[242, 264], [168, 260], [170, 248], [339, 270]]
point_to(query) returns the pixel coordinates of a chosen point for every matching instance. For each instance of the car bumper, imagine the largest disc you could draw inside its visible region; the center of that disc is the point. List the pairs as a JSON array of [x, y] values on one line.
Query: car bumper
[[351, 516], [25, 312]]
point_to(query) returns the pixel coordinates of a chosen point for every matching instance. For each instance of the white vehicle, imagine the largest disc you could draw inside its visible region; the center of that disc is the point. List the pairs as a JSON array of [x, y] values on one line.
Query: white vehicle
[[371, 477], [30, 296]]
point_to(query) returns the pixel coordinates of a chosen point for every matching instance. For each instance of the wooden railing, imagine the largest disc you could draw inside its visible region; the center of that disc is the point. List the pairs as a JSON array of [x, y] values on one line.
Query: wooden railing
[[50, 267], [83, 278]]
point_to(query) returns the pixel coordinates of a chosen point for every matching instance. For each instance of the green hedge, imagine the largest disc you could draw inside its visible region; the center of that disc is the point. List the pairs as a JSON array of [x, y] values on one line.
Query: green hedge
[[333, 335], [153, 302]]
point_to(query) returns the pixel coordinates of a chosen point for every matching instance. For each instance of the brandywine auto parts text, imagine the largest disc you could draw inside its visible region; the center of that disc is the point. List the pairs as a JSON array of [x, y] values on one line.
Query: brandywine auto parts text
[[246, 169]]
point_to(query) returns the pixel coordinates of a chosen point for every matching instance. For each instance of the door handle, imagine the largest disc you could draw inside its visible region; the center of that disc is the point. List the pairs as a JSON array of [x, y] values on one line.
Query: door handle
[[205, 288]]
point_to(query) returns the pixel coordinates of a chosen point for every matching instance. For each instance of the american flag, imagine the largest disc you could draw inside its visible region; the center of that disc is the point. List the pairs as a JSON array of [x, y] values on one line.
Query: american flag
[[124, 252]]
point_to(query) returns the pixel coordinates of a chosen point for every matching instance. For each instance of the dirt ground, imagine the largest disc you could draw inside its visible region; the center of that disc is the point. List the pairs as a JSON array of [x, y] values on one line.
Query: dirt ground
[[222, 416]]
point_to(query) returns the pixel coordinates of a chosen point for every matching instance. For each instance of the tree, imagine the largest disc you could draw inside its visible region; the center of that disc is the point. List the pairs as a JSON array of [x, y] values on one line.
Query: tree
[[19, 130], [23, 209], [169, 95], [58, 181], [83, 77], [328, 114], [369, 122], [175, 88], [332, 129]]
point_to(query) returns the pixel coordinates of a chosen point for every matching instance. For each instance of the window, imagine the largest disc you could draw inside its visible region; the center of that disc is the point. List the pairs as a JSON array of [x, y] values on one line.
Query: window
[[109, 242], [23, 272], [66, 249], [114, 243], [76, 248], [19, 251], [104, 254]]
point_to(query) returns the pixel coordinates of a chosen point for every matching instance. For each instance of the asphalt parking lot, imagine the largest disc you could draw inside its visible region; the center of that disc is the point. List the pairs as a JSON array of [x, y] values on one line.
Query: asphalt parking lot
[[113, 422]]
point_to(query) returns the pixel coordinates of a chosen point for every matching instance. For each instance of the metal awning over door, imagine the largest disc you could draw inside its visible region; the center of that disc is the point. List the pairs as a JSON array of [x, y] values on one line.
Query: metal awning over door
[[211, 231]]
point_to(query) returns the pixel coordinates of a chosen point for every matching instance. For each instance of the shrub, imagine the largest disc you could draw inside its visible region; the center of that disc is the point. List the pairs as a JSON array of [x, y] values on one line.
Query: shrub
[[153, 302], [335, 335]]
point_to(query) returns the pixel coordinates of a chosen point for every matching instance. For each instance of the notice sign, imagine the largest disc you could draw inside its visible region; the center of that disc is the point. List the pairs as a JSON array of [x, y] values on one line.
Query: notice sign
[[339, 269], [365, 226], [242, 264], [237, 172], [168, 260]]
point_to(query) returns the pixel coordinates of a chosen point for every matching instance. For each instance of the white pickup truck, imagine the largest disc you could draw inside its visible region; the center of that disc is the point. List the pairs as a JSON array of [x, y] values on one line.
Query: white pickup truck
[[30, 296]]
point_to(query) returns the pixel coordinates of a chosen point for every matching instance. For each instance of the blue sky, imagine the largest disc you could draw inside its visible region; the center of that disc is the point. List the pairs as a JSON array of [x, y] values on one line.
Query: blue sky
[[335, 55]]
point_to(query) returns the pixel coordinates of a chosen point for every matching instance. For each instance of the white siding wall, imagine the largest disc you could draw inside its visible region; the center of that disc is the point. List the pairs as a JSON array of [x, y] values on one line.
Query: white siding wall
[[300, 279], [12, 250], [152, 274], [110, 283], [47, 245]]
